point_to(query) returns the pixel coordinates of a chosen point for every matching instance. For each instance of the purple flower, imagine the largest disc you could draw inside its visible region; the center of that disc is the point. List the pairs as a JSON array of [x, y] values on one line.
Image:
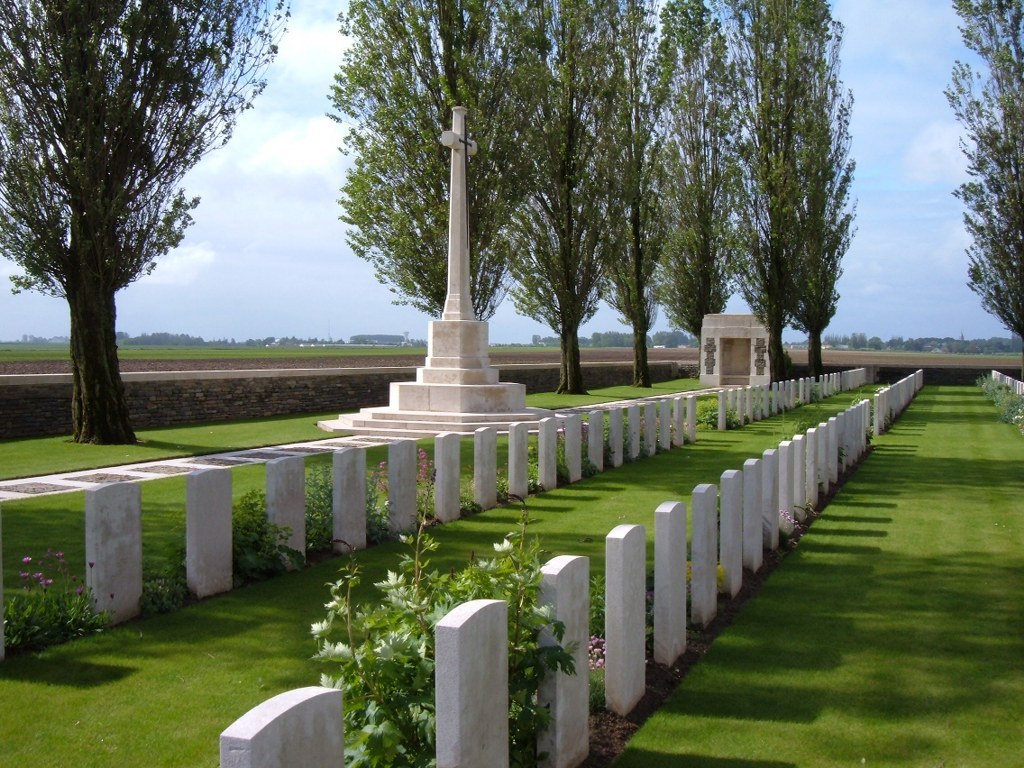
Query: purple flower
[[26, 559]]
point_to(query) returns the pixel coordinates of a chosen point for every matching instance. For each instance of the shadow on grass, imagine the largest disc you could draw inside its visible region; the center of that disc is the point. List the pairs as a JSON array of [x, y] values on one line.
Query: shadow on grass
[[75, 673], [651, 759]]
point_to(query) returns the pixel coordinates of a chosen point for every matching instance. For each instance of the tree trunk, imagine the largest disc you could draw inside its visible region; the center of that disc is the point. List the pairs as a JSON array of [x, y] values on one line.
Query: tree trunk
[[641, 370], [776, 352], [571, 378], [99, 408], [815, 366]]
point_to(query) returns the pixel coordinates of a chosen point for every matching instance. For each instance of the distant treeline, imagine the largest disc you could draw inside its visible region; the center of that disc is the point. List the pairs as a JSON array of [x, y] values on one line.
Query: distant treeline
[[623, 339], [993, 346]]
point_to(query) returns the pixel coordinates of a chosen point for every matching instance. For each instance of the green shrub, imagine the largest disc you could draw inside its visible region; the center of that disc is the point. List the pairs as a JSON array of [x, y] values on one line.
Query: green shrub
[[707, 415], [259, 548], [51, 607], [1009, 403], [165, 589], [385, 661], [319, 509]]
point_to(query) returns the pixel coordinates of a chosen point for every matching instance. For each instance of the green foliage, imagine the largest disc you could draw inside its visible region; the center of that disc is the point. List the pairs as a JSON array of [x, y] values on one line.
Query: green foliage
[[707, 416], [319, 509], [51, 607], [1010, 404], [259, 548], [165, 589], [384, 662]]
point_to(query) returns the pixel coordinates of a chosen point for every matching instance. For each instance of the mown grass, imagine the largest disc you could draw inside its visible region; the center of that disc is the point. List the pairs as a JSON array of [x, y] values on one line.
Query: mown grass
[[893, 635], [157, 692]]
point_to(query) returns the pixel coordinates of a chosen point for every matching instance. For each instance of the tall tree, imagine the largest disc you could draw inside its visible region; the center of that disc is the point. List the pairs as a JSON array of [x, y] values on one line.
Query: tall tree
[[988, 105], [410, 62], [826, 212], [104, 106], [563, 231], [641, 96], [773, 49], [701, 191]]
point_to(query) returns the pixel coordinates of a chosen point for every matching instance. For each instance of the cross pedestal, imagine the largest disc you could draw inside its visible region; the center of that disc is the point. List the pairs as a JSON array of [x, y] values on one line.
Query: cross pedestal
[[456, 390]]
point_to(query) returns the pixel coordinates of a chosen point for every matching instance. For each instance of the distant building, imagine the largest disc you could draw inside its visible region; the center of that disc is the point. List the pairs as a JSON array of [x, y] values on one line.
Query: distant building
[[379, 340]]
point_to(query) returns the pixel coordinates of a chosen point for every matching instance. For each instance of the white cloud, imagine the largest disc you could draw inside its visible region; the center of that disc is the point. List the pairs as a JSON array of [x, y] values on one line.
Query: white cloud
[[182, 266], [933, 155], [296, 148]]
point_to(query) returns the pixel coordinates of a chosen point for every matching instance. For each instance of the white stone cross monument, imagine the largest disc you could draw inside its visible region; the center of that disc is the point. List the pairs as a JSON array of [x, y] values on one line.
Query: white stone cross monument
[[457, 390]]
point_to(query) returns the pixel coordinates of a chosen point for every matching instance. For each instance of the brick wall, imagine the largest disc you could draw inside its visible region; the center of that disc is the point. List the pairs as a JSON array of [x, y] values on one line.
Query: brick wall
[[36, 406]]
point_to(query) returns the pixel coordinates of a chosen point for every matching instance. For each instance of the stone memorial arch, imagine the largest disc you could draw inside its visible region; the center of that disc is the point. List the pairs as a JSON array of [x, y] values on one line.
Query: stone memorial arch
[[733, 351]]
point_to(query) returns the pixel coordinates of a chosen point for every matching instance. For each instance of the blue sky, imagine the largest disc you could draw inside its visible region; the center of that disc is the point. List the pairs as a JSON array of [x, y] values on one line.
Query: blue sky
[[267, 254]]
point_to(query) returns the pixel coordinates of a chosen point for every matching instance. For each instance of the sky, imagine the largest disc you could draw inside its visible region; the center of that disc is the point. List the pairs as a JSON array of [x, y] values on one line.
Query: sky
[[267, 255]]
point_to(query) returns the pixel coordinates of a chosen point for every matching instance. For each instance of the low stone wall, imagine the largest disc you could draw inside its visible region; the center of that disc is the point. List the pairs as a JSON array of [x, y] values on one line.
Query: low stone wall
[[38, 406]]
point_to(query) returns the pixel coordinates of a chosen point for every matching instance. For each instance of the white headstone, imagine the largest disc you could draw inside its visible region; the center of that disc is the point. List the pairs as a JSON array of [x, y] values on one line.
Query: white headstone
[[574, 446], [595, 440], [669, 582], [447, 476], [799, 477], [665, 424], [633, 415], [402, 486], [785, 478], [1, 589], [811, 472], [565, 586], [722, 410], [691, 418], [833, 450], [704, 555], [471, 688], [485, 467], [731, 526], [678, 422], [208, 531], [624, 618], [113, 549], [348, 467], [650, 424], [300, 727], [547, 453], [286, 499], [753, 518], [770, 497], [518, 459], [615, 436]]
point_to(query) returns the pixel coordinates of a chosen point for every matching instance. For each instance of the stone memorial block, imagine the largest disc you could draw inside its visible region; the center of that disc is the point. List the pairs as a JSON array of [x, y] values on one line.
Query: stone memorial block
[[722, 410], [633, 416], [785, 457], [691, 418], [669, 582], [471, 688], [286, 499], [624, 622], [402, 486], [734, 351], [547, 453], [770, 497], [448, 475], [833, 450], [811, 470], [731, 531], [664, 424], [208, 531], [113, 549], [485, 467], [348, 467], [678, 422], [799, 477], [518, 460], [650, 427], [615, 436], [299, 727], [574, 446], [595, 440], [565, 586], [704, 555], [753, 517]]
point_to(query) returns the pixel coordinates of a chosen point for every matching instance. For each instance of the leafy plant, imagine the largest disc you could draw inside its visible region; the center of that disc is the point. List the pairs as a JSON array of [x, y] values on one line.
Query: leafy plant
[[319, 509], [385, 661], [51, 607], [259, 548], [165, 589], [707, 416]]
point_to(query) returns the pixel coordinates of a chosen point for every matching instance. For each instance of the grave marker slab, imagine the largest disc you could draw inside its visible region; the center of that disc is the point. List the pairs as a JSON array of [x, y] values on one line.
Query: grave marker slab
[[595, 439], [518, 459], [448, 475], [770, 497], [348, 499], [704, 555], [208, 531], [753, 525], [625, 575], [286, 499], [574, 446], [731, 527], [547, 453], [402, 486], [633, 414], [615, 436], [485, 467], [669, 582], [664, 424], [113, 548]]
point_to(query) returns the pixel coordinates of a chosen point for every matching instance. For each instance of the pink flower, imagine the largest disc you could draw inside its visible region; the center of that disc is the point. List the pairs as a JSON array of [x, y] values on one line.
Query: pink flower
[[26, 559]]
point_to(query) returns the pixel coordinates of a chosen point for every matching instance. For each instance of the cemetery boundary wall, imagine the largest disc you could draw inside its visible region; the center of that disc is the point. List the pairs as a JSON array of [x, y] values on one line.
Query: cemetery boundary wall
[[40, 405]]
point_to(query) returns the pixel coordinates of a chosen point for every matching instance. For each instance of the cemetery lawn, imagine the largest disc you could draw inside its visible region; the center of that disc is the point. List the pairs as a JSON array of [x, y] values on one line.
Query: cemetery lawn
[[893, 635], [158, 691]]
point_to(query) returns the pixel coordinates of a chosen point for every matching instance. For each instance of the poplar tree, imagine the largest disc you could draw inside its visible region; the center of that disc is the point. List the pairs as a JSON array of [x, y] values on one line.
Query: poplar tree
[[104, 106], [701, 190], [987, 102], [409, 63], [638, 138], [563, 231]]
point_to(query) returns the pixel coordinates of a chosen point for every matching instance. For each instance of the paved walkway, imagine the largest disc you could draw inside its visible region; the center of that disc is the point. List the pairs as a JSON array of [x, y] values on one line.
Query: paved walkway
[[81, 480]]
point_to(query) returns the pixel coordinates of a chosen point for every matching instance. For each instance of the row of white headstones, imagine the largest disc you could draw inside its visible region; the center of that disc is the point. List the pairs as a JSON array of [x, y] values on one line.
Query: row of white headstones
[[732, 526], [113, 512], [1017, 387]]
